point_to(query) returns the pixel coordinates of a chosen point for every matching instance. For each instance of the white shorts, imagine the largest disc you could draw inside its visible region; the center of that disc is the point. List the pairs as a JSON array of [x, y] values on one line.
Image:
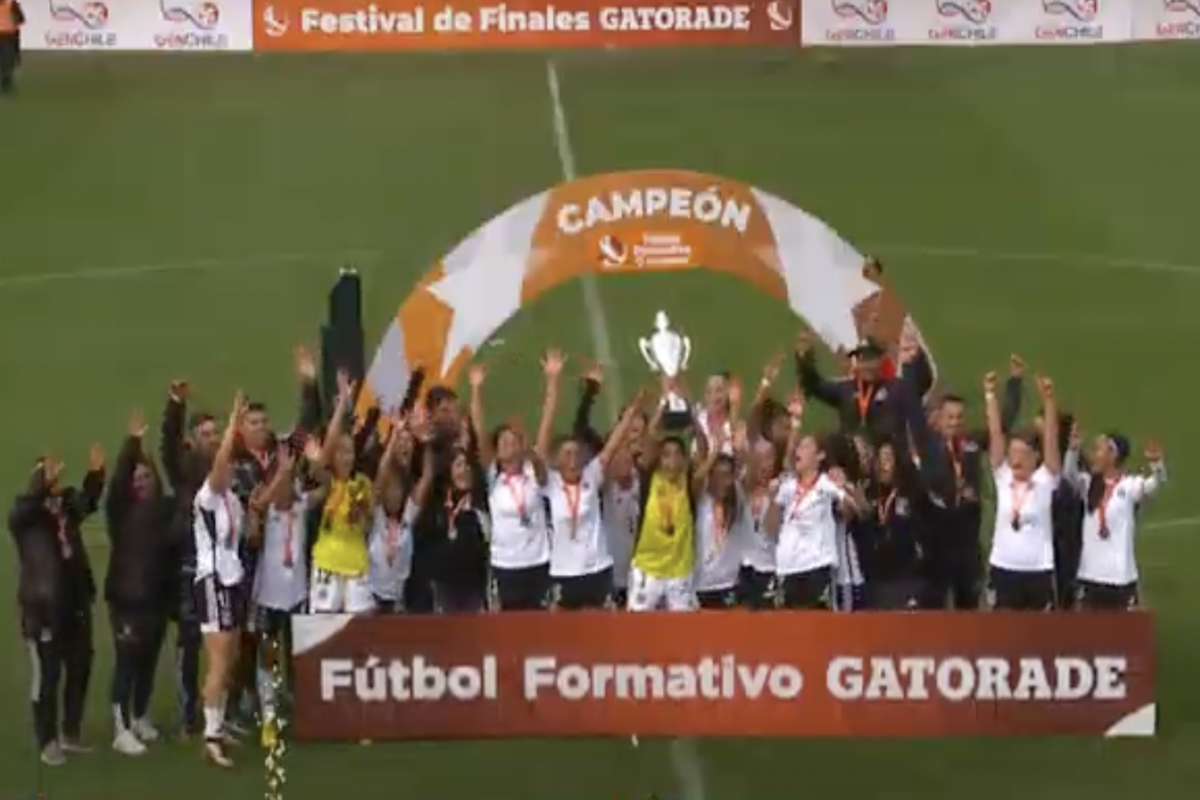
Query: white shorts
[[648, 593], [339, 594]]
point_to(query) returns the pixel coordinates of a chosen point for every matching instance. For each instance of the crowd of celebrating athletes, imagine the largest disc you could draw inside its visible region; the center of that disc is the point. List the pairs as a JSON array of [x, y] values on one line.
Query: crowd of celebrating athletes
[[430, 507]]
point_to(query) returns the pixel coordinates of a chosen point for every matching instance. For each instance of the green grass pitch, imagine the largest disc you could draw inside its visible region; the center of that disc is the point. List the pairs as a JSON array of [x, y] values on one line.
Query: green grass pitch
[[158, 212]]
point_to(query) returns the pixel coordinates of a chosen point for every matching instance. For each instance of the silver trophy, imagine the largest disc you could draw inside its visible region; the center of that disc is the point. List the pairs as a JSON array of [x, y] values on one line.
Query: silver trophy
[[667, 352]]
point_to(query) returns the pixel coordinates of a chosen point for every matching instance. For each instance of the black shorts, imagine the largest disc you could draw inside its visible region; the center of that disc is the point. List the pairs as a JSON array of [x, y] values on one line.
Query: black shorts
[[756, 589], [717, 599], [524, 589], [219, 608], [1091, 596], [449, 598], [581, 592], [1022, 591], [384, 605], [849, 597], [806, 590], [895, 594]]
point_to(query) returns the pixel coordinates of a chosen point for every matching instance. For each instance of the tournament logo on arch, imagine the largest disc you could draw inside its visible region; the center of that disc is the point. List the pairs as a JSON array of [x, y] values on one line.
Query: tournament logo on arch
[[859, 21], [629, 223]]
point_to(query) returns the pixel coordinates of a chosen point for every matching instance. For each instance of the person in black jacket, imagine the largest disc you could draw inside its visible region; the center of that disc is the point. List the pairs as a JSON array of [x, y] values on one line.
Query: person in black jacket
[[951, 459], [865, 400], [187, 447], [55, 595], [138, 586]]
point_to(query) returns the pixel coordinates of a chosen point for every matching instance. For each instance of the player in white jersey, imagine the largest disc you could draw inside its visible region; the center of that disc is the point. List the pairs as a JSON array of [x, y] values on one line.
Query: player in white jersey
[[621, 517], [757, 581], [1022, 558], [1108, 572], [278, 520], [390, 537], [722, 528], [849, 583], [520, 543], [581, 564], [218, 529], [805, 515]]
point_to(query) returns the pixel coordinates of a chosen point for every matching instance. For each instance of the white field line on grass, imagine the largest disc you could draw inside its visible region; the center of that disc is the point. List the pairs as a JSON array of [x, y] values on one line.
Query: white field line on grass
[[591, 292], [95, 273]]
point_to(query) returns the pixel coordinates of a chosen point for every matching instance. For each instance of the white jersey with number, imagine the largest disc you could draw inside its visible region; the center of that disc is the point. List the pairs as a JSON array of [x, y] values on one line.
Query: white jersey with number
[[520, 531], [281, 579]]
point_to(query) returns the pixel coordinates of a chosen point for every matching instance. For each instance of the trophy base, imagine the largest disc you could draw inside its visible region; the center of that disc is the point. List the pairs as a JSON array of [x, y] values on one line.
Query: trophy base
[[677, 413]]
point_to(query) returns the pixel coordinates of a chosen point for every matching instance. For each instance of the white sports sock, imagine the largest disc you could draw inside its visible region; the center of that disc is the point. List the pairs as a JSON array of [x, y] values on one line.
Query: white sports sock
[[214, 722]]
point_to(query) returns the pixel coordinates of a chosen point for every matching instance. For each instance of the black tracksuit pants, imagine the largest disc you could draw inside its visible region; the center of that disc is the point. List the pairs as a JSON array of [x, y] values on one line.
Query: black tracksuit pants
[[137, 642], [61, 654]]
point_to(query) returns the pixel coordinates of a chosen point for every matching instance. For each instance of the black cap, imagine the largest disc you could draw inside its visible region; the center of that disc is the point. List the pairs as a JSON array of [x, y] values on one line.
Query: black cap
[[868, 348], [438, 395]]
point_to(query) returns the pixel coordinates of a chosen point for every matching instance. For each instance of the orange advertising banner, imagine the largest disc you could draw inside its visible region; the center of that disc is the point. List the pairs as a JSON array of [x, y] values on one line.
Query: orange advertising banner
[[723, 674], [353, 25]]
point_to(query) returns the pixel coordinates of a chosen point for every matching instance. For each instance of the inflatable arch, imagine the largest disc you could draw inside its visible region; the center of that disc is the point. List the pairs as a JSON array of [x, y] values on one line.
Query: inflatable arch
[[629, 222]]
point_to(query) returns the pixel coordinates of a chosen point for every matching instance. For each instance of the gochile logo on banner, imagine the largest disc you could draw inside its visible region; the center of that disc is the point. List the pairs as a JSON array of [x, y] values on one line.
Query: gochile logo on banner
[[863, 21], [965, 21], [1186, 28], [1079, 21], [79, 26], [194, 27]]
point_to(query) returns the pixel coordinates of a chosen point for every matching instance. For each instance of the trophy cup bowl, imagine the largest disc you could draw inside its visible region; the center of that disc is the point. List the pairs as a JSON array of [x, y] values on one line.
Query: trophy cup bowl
[[667, 353]]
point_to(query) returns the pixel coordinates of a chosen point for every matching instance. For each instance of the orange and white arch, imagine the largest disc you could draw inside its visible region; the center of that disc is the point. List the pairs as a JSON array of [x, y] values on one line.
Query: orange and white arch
[[628, 222]]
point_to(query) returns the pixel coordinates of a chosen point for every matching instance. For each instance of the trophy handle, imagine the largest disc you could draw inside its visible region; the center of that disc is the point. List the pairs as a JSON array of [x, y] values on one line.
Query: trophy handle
[[687, 353], [644, 348]]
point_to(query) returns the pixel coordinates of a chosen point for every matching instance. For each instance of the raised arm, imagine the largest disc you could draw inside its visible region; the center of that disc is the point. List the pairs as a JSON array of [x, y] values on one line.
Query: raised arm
[[1157, 467], [424, 486], [220, 475], [1014, 387], [708, 451], [581, 426], [1073, 472], [337, 421], [170, 442], [996, 439], [476, 376], [1051, 454], [308, 417], [652, 438], [809, 377], [552, 367], [616, 438], [120, 485]]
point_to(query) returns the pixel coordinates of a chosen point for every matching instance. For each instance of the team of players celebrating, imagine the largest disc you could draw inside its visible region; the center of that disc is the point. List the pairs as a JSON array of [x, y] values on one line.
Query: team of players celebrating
[[427, 508]]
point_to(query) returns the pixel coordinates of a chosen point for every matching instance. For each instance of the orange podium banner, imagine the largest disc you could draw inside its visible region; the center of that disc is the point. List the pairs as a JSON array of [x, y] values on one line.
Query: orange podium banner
[[356, 25], [723, 674]]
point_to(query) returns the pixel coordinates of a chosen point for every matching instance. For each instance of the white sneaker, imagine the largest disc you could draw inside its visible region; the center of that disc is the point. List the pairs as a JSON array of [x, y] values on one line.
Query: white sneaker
[[128, 744], [52, 755], [144, 729], [214, 752], [75, 746]]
